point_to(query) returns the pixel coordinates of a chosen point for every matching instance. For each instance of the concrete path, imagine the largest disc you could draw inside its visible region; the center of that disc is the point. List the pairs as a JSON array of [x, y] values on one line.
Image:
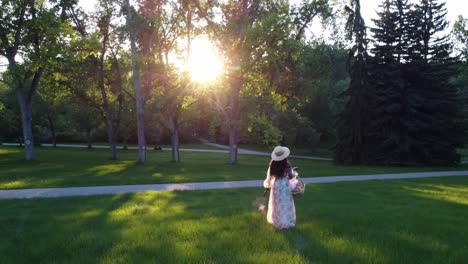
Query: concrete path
[[118, 147], [241, 151], [260, 153], [98, 190]]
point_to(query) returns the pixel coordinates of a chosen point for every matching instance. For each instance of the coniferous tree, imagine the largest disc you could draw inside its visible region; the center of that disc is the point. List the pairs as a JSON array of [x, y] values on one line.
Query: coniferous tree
[[352, 146], [388, 130], [436, 129], [402, 108], [417, 117]]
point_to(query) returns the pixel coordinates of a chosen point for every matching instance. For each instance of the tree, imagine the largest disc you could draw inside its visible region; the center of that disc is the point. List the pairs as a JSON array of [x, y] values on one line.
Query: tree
[[437, 128], [139, 100], [10, 120], [414, 114], [353, 141], [239, 16], [86, 108], [35, 32], [53, 98], [246, 33], [95, 53], [460, 31], [164, 25], [320, 87], [461, 36], [388, 130], [104, 34]]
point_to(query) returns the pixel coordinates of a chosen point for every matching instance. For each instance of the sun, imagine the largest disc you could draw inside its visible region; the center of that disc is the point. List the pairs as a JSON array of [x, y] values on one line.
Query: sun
[[204, 63]]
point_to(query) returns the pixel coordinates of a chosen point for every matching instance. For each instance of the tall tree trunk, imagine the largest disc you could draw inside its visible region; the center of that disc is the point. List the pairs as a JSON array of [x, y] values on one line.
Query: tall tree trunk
[[118, 118], [236, 84], [20, 140], [137, 88], [107, 111], [174, 138], [26, 122], [125, 143], [110, 136], [25, 101], [88, 137], [52, 130]]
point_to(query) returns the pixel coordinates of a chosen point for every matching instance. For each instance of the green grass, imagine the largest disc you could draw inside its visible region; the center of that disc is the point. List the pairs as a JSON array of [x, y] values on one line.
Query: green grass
[[404, 221], [63, 167]]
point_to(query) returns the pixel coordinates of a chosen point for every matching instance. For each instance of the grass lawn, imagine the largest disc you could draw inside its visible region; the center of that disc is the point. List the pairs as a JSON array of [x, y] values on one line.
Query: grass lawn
[[62, 167], [401, 221]]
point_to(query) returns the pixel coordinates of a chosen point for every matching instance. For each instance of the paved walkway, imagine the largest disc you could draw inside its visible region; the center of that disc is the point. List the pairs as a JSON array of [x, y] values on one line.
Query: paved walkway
[[118, 147], [98, 190], [260, 153], [241, 151]]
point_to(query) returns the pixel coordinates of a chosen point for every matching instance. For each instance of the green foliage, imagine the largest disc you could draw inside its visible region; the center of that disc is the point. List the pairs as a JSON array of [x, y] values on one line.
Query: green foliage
[[262, 130], [324, 77], [264, 52], [35, 31], [10, 121]]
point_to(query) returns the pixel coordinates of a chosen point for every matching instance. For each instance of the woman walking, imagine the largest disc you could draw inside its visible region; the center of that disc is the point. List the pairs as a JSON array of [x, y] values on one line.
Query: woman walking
[[281, 210]]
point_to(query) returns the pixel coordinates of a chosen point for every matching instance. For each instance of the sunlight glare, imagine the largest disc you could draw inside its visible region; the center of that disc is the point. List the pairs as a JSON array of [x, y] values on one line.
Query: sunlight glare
[[204, 63]]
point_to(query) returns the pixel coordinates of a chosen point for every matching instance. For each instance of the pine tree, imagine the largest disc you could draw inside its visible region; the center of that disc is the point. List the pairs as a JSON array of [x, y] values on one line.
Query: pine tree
[[388, 130], [417, 117], [389, 30], [402, 108], [352, 146], [436, 129]]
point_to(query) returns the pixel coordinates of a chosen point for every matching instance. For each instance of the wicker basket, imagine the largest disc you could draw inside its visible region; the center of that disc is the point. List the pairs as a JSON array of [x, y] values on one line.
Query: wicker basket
[[299, 190]]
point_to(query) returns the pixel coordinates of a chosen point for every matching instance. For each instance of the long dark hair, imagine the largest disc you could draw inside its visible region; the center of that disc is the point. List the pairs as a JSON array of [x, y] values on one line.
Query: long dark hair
[[277, 167]]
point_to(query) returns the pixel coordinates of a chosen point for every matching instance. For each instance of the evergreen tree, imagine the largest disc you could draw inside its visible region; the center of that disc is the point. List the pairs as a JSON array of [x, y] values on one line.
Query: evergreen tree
[[417, 117], [387, 129], [352, 146], [437, 129], [402, 108]]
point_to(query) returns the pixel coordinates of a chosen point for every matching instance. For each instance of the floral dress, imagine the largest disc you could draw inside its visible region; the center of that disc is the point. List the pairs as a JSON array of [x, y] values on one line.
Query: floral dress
[[281, 211]]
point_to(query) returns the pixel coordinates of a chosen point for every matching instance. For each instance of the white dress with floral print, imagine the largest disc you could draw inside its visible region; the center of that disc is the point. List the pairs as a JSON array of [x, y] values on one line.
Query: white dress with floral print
[[281, 211]]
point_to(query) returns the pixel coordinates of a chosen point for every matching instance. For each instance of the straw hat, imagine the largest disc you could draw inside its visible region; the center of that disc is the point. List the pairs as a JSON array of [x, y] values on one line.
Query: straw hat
[[280, 153]]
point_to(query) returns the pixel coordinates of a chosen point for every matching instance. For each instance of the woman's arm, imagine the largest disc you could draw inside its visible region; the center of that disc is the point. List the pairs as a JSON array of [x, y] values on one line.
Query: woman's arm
[[268, 181]]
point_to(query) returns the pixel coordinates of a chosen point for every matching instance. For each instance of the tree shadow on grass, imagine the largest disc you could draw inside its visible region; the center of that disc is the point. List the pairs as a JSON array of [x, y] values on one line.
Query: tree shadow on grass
[[107, 229], [337, 223], [174, 227]]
